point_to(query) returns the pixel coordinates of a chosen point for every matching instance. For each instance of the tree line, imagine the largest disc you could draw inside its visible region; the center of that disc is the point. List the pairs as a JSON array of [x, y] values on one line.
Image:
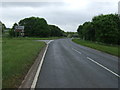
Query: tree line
[[37, 27], [102, 28]]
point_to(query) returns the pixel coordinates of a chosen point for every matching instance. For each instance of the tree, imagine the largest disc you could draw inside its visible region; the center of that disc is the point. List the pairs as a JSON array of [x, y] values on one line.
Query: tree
[[2, 27], [55, 31], [107, 28], [86, 31], [12, 32], [35, 26], [103, 28]]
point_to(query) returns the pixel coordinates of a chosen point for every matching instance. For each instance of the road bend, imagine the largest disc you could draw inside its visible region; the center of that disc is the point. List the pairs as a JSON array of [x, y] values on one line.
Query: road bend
[[69, 65]]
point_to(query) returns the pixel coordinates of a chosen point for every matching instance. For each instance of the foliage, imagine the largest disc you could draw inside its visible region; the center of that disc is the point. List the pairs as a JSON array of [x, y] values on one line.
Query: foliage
[[103, 28], [35, 26], [55, 31], [3, 26], [12, 32]]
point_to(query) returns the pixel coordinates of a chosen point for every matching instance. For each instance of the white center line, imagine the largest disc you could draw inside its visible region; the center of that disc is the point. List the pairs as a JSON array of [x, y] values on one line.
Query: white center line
[[76, 50], [103, 67]]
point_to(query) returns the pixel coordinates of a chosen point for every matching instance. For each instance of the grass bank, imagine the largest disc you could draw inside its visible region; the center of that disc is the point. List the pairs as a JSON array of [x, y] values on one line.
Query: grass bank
[[18, 56], [113, 50]]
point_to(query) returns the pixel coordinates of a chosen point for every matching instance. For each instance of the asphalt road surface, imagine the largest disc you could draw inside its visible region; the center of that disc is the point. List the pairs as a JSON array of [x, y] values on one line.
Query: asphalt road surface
[[69, 65]]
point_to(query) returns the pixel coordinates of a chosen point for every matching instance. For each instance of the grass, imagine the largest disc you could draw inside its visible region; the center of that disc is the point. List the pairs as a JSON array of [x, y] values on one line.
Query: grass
[[34, 38], [113, 50], [47, 38], [18, 56], [0, 62]]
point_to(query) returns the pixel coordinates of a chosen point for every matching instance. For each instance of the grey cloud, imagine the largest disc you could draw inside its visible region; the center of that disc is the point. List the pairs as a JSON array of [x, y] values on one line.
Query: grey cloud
[[30, 4], [60, 14]]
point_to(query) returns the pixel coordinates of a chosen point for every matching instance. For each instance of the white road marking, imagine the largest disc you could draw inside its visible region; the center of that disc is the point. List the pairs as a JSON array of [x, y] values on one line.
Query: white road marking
[[103, 67], [50, 41], [39, 68], [99, 64], [76, 51]]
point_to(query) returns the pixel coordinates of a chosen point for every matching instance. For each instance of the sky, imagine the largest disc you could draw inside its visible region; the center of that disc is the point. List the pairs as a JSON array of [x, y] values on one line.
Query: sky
[[67, 14]]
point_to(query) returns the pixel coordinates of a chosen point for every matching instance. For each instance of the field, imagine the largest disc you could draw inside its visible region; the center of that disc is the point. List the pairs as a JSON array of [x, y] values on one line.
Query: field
[[113, 50], [18, 56]]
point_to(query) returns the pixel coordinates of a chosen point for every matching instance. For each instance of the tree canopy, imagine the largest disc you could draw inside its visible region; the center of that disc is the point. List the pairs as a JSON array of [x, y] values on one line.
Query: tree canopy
[[55, 31], [103, 28], [35, 26], [38, 27]]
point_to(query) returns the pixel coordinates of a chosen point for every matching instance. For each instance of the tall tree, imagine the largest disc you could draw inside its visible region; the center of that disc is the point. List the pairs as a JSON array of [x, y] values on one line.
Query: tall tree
[[107, 28], [35, 26], [103, 28]]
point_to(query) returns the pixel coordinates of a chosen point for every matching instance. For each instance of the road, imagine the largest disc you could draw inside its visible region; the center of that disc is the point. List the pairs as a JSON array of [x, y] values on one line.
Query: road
[[69, 65]]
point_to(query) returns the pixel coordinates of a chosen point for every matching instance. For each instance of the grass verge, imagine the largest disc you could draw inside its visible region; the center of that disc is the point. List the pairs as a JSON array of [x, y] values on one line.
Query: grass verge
[[113, 50], [33, 38], [18, 56]]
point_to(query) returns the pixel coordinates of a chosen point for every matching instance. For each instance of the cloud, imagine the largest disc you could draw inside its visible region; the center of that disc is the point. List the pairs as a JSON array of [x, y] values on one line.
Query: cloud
[[68, 15], [30, 4]]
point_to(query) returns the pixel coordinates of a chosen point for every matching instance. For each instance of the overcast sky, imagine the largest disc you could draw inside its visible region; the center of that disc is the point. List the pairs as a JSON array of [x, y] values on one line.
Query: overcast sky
[[67, 14]]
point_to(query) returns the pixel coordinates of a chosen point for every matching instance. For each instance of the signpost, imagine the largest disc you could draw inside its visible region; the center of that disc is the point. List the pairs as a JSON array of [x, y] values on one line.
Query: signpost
[[19, 29]]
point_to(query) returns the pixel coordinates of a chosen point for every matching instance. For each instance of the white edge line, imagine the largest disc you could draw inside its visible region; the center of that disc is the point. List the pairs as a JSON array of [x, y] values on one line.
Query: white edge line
[[103, 67], [39, 68], [76, 50], [50, 41]]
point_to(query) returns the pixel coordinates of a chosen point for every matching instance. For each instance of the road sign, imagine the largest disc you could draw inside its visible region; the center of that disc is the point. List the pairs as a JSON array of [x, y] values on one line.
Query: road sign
[[19, 29]]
